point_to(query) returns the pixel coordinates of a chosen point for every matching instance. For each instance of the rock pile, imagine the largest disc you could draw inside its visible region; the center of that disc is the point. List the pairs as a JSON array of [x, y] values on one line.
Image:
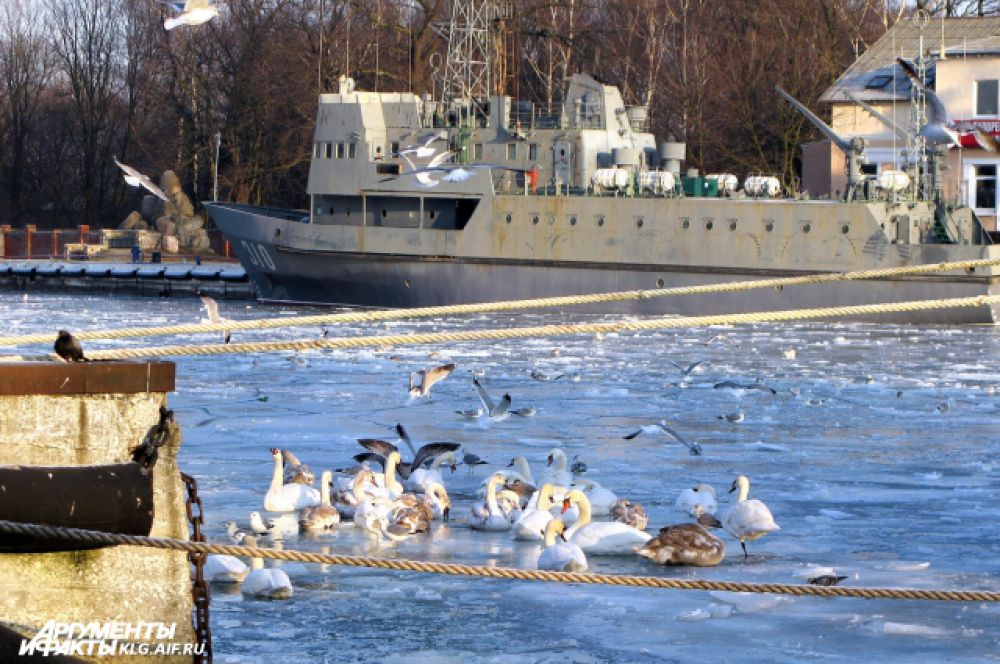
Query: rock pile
[[176, 221]]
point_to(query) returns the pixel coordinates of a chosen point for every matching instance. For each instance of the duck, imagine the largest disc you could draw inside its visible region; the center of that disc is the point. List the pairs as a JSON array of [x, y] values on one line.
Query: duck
[[222, 568], [684, 544], [560, 556], [601, 499], [699, 494], [627, 512], [488, 515], [557, 474], [534, 519], [607, 538], [266, 583], [421, 478], [324, 515], [283, 497], [747, 519]]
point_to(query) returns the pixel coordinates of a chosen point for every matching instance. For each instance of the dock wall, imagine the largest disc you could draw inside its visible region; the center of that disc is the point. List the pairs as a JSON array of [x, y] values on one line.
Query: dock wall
[[72, 414]]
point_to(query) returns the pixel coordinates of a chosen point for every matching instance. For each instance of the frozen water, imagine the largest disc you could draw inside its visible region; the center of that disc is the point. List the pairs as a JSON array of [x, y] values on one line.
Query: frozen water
[[866, 473]]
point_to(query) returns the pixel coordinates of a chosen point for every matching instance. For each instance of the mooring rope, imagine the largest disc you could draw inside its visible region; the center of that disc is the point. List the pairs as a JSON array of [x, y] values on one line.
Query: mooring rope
[[507, 305], [97, 537], [536, 331]]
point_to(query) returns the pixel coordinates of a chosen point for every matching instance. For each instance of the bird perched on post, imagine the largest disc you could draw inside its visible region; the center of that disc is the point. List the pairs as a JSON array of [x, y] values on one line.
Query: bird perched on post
[[68, 347]]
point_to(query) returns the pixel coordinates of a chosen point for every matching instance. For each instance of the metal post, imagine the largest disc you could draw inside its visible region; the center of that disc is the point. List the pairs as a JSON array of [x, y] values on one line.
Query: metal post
[[215, 168]]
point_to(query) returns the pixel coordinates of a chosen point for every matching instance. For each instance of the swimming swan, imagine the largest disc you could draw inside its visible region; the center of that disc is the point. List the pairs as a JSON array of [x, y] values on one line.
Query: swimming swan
[[287, 497], [268, 583], [488, 515]]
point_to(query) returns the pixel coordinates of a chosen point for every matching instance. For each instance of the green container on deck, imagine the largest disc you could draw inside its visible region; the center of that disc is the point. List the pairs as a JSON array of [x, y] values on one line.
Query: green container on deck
[[693, 185], [710, 188]]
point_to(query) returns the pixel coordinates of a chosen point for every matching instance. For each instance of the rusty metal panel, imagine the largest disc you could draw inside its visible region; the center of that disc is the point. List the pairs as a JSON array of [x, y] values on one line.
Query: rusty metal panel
[[62, 378]]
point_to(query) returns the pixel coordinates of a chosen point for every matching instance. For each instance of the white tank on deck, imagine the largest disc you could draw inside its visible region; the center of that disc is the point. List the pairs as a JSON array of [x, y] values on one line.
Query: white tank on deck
[[893, 180], [762, 185], [657, 182], [728, 183], [627, 158], [610, 178]]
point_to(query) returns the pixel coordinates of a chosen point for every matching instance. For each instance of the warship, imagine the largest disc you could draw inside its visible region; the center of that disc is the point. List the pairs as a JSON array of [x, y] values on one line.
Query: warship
[[476, 197]]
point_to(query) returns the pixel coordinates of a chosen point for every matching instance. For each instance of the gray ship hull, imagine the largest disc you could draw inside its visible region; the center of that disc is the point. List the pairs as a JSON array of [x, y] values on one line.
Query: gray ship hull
[[316, 272]]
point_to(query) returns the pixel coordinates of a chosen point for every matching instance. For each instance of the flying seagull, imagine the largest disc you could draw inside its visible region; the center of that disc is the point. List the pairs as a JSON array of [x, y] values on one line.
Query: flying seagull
[[940, 129], [686, 370], [425, 453], [423, 150], [68, 347], [421, 381], [136, 179], [212, 309], [193, 12], [455, 172], [662, 425]]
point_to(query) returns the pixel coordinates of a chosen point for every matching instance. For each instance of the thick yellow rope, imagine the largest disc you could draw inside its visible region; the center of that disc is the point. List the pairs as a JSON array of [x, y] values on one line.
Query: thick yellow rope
[[97, 537], [541, 330], [509, 305]]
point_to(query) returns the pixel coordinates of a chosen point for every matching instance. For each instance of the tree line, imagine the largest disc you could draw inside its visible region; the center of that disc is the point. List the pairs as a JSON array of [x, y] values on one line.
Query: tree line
[[82, 81]]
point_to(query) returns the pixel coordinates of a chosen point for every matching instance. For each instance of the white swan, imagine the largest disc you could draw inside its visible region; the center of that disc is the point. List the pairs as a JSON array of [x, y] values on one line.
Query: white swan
[[269, 583], [521, 470], [421, 478], [601, 499], [387, 480], [287, 497], [556, 474], [222, 568], [607, 538], [488, 515], [684, 544], [536, 516], [324, 515], [699, 494], [747, 519], [560, 556]]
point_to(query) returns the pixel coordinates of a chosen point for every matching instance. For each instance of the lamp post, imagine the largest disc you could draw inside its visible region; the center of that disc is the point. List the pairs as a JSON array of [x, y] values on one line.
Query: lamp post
[[215, 168]]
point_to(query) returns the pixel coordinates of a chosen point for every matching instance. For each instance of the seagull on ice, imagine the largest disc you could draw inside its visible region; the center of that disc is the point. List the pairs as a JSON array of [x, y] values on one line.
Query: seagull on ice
[[192, 12], [663, 427], [940, 129], [212, 309], [496, 411], [136, 179]]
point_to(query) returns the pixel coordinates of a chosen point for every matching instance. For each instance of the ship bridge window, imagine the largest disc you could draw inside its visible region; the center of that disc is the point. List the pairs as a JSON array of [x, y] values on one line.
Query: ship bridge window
[[328, 150], [477, 151], [532, 151], [352, 150], [394, 148], [512, 151], [340, 150], [317, 150], [387, 169]]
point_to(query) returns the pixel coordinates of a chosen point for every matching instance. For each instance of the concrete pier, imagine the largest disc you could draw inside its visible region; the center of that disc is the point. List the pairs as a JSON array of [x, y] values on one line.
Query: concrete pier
[[73, 414]]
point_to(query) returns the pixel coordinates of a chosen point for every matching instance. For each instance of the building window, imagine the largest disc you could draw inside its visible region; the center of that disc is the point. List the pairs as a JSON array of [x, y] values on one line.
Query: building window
[[984, 188], [512, 151], [987, 98], [477, 151], [532, 151]]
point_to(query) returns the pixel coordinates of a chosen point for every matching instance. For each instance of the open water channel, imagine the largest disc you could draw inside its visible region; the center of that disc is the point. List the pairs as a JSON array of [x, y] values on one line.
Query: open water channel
[[878, 455]]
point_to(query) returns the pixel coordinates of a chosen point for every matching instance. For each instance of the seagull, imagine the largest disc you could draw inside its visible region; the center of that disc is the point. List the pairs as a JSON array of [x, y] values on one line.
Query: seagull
[[470, 460], [732, 417], [421, 381], [940, 129], [662, 425], [425, 453], [538, 375], [496, 411], [194, 12], [689, 368], [579, 467], [68, 347], [826, 580], [456, 173], [212, 309], [136, 179], [422, 173], [423, 150]]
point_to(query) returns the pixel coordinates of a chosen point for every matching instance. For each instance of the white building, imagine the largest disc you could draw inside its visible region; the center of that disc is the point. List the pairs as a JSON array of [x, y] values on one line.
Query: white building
[[964, 70]]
